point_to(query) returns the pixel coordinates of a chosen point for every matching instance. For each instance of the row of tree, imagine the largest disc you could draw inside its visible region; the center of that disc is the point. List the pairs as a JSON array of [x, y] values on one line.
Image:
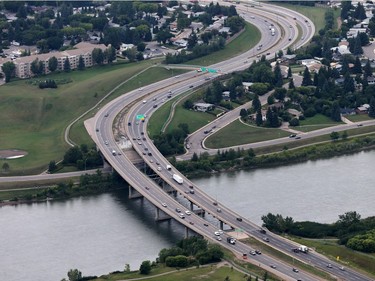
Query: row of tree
[[352, 231]]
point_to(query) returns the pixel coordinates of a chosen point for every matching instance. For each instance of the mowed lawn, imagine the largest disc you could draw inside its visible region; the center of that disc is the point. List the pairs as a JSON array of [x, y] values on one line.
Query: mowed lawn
[[208, 273], [34, 120], [238, 133], [319, 121]]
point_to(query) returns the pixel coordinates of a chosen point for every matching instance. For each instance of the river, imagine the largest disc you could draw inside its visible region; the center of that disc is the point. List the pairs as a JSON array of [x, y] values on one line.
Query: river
[[99, 234]]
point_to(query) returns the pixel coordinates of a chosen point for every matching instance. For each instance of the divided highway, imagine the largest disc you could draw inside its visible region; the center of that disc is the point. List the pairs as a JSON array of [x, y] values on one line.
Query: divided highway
[[149, 98]]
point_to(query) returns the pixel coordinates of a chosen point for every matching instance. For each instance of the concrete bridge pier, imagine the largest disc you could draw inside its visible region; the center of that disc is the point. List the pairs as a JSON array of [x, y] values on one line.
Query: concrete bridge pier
[[221, 225], [191, 206], [186, 232], [133, 193], [160, 215]]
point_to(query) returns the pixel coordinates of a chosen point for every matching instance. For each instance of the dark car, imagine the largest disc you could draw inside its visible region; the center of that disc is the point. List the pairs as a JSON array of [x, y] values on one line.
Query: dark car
[[295, 270], [129, 124], [239, 219], [149, 154]]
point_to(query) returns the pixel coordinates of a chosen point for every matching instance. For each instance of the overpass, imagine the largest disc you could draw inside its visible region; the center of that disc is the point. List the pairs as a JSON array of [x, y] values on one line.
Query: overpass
[[146, 100]]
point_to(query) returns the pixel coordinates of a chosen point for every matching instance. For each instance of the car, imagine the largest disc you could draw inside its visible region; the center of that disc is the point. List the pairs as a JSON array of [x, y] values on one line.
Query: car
[[292, 135], [191, 86], [137, 123], [207, 78], [205, 224], [217, 233], [342, 268], [146, 148], [129, 123], [151, 161], [295, 270], [262, 231], [295, 18], [252, 253], [298, 137], [273, 266], [155, 106], [107, 114], [144, 153], [140, 89], [302, 38], [218, 210], [149, 154], [219, 238], [97, 129], [360, 125], [119, 153], [144, 101], [106, 142], [138, 138], [192, 191], [290, 39], [188, 212], [177, 76], [154, 99], [134, 138], [266, 239], [215, 203], [178, 210], [239, 219], [143, 138], [268, 53], [329, 265], [258, 252], [192, 223], [169, 96], [164, 204], [157, 163], [142, 133], [305, 20], [182, 216], [147, 187], [159, 168]]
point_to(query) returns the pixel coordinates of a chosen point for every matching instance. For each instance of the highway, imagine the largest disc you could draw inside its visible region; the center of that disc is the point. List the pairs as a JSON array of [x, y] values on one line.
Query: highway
[[100, 129]]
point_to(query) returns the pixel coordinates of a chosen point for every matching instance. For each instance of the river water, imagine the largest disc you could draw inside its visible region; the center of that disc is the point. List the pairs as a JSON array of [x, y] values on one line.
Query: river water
[[99, 234]]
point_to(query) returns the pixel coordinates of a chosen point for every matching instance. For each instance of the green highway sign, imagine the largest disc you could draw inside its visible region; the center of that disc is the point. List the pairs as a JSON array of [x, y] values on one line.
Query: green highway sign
[[140, 117]]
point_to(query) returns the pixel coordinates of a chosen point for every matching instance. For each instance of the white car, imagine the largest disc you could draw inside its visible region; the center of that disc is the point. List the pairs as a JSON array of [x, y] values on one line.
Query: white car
[[217, 233], [188, 213], [164, 204]]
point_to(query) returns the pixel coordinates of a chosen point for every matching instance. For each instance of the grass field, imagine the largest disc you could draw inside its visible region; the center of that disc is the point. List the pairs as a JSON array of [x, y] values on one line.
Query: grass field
[[316, 122], [238, 133], [245, 41], [316, 14], [208, 273], [358, 117]]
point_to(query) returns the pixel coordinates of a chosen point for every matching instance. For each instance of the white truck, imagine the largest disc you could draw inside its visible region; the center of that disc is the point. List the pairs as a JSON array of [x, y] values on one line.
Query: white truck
[[169, 167], [303, 249], [178, 179], [272, 31]]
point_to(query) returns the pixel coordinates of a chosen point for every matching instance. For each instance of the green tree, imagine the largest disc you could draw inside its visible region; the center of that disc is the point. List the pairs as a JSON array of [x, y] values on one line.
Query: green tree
[[5, 167], [37, 67], [357, 69], [367, 69], [291, 84], [259, 117], [335, 114], [74, 275], [52, 64], [127, 268], [371, 111], [306, 80], [256, 105], [344, 135], [334, 136], [357, 47], [278, 77], [9, 70], [290, 72], [244, 113], [145, 267], [81, 63], [66, 65], [52, 166], [98, 56]]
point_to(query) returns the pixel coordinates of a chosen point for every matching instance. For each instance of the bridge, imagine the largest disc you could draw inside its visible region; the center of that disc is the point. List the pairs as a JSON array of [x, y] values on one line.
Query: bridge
[[180, 203]]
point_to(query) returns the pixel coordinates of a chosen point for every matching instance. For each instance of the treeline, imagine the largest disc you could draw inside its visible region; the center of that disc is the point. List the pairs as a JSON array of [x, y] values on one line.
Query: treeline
[[82, 157], [88, 184], [239, 159], [352, 231], [190, 252]]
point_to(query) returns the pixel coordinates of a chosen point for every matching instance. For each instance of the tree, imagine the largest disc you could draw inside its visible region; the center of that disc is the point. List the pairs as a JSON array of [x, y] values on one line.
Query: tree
[[357, 69], [289, 72], [256, 105], [344, 135], [243, 113], [371, 111], [5, 167], [334, 136], [278, 77], [74, 275], [306, 81], [357, 47], [37, 67], [367, 69], [145, 267], [9, 70], [335, 114], [52, 64], [194, 158], [349, 218], [127, 268], [98, 56], [291, 84], [81, 63], [52, 166], [259, 117], [66, 65]]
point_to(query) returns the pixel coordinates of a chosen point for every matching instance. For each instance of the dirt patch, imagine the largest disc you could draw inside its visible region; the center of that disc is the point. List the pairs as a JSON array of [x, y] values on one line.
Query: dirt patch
[[12, 154]]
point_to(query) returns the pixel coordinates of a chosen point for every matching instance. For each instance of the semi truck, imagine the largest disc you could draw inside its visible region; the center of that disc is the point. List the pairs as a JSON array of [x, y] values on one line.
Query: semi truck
[[303, 249], [178, 179]]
